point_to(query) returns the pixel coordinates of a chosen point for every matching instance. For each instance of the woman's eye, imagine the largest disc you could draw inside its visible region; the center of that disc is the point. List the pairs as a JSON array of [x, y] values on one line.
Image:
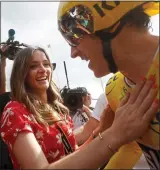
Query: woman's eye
[[33, 66], [46, 64]]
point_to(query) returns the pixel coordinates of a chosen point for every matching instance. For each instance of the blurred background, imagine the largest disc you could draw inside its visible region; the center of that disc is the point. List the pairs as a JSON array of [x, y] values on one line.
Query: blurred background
[[35, 23]]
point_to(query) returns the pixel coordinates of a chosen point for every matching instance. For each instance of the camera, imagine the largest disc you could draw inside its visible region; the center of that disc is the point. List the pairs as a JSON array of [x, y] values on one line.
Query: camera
[[73, 97], [11, 50], [12, 47]]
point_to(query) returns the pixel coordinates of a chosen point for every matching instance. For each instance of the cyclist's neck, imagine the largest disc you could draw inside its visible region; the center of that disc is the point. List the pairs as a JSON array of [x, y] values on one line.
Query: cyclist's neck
[[134, 50]]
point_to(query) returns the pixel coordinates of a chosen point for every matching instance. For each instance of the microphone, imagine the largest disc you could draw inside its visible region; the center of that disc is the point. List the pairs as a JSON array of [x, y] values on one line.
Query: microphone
[[11, 33], [4, 49]]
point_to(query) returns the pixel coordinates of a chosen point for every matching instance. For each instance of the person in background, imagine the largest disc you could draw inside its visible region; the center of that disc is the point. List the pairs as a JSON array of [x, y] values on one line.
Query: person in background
[[81, 116], [84, 132], [87, 100], [35, 121]]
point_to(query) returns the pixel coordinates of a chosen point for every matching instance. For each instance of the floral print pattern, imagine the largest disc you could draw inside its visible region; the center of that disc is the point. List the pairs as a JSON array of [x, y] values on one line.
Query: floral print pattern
[[16, 119]]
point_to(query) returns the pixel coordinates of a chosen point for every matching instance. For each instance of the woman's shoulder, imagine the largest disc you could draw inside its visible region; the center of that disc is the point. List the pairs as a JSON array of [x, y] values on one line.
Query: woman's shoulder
[[14, 115], [15, 105], [15, 108]]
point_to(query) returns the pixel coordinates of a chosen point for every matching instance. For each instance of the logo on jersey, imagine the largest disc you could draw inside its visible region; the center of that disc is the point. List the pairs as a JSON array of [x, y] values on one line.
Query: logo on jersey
[[111, 84]]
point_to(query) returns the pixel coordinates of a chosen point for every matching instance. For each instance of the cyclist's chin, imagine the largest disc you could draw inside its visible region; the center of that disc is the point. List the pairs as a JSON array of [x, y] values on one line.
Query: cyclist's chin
[[99, 70], [99, 73]]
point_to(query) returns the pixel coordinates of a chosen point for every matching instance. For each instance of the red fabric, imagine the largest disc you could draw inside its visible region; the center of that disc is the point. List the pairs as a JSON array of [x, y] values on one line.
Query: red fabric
[[16, 119]]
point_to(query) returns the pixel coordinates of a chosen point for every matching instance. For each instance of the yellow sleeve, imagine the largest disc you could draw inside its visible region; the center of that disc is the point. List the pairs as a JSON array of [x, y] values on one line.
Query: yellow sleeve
[[126, 157]]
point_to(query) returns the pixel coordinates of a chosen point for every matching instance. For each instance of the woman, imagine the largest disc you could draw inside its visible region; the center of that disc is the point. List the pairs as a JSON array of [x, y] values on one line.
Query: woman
[[38, 130]]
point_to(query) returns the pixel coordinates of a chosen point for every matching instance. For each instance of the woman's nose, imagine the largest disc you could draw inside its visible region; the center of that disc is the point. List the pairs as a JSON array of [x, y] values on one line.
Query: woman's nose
[[42, 68]]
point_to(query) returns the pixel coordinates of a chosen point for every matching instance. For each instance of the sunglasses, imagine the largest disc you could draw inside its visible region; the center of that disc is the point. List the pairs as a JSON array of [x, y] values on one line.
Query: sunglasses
[[54, 66], [76, 23]]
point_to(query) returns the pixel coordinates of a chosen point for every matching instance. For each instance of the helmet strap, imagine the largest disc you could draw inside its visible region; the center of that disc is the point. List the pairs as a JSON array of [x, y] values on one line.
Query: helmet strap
[[107, 53], [106, 38]]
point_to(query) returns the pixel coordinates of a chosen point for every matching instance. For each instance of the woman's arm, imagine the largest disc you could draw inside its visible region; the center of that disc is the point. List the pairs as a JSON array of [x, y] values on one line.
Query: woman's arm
[[86, 131], [30, 155], [2, 75], [132, 117], [2, 72], [106, 120]]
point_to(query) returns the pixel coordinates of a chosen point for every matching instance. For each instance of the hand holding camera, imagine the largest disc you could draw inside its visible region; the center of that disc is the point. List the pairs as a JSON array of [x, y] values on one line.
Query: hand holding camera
[[10, 47]]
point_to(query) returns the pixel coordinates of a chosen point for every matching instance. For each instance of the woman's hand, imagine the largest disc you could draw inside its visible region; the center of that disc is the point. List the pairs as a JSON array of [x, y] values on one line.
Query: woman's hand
[[3, 61], [87, 111], [3, 58], [106, 120], [2, 71], [135, 112]]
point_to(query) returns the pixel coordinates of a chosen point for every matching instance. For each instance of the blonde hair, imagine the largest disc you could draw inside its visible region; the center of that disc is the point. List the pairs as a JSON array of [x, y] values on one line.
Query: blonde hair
[[43, 113]]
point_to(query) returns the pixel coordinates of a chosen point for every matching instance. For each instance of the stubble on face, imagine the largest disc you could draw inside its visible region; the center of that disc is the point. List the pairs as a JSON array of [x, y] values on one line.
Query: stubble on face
[[91, 47]]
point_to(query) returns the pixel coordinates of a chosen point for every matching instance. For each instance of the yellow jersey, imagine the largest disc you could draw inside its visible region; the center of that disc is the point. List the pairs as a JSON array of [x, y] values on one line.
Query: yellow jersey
[[116, 89], [126, 158], [129, 154]]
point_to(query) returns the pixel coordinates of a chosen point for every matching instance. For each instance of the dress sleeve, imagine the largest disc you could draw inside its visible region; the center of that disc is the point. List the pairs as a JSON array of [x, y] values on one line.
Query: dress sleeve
[[14, 121]]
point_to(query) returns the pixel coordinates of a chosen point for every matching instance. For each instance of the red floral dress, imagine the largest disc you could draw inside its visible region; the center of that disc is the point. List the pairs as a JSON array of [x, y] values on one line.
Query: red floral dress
[[16, 119]]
